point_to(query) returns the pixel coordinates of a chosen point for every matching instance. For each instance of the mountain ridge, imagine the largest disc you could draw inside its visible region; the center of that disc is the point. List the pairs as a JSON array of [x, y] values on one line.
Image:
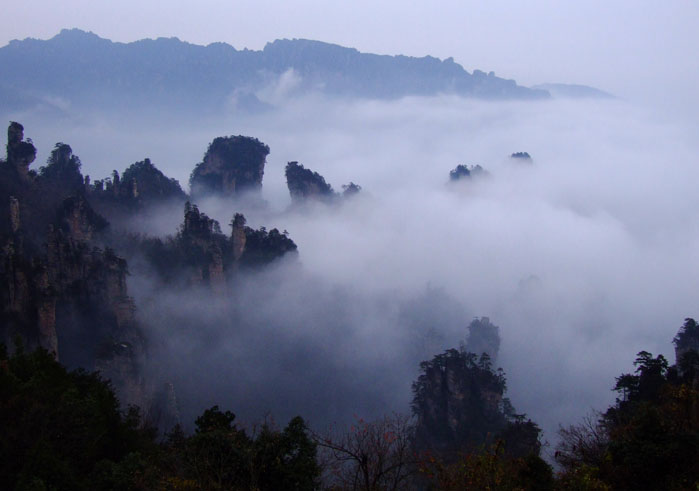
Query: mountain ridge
[[83, 69]]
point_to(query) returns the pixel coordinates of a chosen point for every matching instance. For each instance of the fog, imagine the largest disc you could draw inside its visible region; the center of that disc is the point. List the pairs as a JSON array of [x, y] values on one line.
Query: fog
[[583, 257]]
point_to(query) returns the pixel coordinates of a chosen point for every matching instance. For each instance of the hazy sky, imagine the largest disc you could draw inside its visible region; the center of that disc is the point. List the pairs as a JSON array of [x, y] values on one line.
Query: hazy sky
[[637, 49]]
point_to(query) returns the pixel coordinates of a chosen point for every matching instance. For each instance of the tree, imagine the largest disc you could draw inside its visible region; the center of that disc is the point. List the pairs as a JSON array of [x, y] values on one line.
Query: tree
[[458, 402], [222, 456], [649, 439], [62, 170], [583, 444], [371, 456], [61, 429], [488, 468]]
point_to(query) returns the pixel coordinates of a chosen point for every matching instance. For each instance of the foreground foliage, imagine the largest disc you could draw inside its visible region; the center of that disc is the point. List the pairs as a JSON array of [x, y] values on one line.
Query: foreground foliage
[[649, 439], [64, 430]]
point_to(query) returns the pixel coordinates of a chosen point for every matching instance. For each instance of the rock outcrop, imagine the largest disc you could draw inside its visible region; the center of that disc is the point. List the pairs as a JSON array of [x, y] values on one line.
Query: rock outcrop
[[64, 289], [466, 172], [201, 255], [231, 165], [483, 337], [687, 347], [138, 189], [305, 184], [20, 153], [58, 289], [522, 157], [458, 399]]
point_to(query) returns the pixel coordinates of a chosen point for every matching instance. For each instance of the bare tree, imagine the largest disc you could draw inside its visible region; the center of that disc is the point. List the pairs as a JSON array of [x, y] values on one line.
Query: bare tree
[[370, 456], [584, 443]]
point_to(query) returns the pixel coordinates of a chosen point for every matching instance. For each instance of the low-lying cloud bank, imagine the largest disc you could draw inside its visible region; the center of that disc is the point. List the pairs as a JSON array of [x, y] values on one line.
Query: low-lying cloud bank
[[583, 257]]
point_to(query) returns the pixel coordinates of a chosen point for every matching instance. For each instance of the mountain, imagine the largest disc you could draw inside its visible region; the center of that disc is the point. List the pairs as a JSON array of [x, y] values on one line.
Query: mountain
[[77, 68], [573, 91]]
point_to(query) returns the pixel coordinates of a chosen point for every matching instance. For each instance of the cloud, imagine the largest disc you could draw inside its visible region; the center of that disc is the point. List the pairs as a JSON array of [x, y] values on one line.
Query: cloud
[[583, 258]]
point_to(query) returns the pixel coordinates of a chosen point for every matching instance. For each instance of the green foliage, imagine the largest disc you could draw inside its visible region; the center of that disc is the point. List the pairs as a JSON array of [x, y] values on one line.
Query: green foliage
[[150, 183], [457, 399], [262, 247], [63, 430], [649, 439], [62, 170], [60, 428], [221, 456]]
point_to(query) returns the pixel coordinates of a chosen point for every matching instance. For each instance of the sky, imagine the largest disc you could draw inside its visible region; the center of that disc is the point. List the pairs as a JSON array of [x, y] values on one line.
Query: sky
[[635, 49]]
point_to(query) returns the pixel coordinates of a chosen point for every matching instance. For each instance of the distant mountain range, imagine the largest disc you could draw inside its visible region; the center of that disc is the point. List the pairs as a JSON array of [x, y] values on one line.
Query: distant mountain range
[[573, 91], [79, 69]]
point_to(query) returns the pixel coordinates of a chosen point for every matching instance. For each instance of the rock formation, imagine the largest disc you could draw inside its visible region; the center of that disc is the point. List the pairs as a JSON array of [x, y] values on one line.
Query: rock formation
[[466, 172], [687, 347], [522, 156], [457, 401], [58, 290], [20, 153], [231, 165], [483, 337], [305, 184], [202, 255], [64, 289]]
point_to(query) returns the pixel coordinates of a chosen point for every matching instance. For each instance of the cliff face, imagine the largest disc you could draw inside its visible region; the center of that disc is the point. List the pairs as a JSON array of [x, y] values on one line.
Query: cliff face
[[57, 289], [231, 165]]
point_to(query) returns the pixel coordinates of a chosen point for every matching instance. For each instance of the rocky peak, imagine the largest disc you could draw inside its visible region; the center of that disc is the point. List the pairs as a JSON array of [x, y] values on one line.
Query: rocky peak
[[686, 341], [142, 181], [62, 170], [350, 189], [522, 157], [20, 153], [198, 225], [231, 165], [483, 337], [457, 400], [305, 184], [466, 172]]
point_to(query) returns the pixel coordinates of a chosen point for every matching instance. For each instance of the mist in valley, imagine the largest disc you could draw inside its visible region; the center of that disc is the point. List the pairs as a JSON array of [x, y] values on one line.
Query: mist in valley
[[582, 257]]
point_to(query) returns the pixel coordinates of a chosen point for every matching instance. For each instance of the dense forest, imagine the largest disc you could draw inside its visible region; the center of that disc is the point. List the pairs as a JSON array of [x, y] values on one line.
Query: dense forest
[[81, 406]]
